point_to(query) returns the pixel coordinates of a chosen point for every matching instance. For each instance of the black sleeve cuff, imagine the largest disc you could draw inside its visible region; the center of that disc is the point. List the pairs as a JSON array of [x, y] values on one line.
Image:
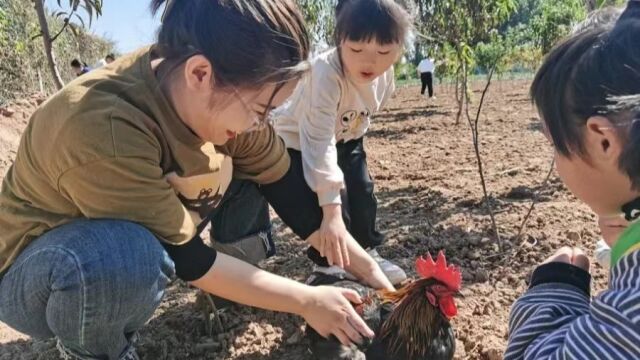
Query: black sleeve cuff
[[558, 272], [193, 259]]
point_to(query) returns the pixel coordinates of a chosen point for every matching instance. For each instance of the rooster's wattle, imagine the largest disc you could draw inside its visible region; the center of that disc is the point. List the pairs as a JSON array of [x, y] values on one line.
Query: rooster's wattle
[[411, 323]]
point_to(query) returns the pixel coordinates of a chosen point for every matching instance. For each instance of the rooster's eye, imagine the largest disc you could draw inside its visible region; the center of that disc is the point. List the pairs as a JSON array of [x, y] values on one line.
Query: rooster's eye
[[439, 288]]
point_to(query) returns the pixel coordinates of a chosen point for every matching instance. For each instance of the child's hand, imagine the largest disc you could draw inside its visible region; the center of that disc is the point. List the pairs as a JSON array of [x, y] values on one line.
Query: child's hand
[[333, 236], [573, 256]]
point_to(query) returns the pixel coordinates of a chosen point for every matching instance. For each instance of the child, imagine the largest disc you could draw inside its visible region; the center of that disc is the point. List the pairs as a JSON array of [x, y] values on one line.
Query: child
[[595, 129], [79, 68], [325, 123]]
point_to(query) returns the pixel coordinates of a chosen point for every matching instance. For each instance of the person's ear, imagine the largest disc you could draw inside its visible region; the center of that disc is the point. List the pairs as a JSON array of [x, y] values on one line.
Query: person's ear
[[198, 73], [602, 141]]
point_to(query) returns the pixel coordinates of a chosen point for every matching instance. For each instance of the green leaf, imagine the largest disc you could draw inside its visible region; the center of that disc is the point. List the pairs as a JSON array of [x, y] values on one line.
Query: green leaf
[[80, 19]]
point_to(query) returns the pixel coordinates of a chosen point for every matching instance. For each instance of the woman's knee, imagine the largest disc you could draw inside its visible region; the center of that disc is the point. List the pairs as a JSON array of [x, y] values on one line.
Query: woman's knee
[[109, 285]]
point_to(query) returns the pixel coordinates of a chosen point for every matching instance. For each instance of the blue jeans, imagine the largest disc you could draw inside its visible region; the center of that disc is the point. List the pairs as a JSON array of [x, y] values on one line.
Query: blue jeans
[[90, 283]]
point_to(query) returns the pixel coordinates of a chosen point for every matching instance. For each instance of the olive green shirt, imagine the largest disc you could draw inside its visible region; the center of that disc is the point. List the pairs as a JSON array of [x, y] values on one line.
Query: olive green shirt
[[110, 145]]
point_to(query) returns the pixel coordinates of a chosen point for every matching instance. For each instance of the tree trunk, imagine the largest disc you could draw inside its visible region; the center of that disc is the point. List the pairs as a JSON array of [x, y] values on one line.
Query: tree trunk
[[48, 45], [461, 83], [417, 54]]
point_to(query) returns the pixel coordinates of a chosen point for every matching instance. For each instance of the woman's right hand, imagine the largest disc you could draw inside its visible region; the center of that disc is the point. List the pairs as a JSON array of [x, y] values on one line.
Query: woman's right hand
[[329, 311]]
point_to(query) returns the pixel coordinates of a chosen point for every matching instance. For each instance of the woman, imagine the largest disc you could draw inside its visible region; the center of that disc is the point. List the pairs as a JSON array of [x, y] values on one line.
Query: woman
[[125, 156]]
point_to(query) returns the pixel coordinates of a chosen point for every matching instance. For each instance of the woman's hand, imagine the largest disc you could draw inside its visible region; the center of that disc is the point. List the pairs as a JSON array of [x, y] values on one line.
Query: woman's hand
[[329, 312], [326, 309]]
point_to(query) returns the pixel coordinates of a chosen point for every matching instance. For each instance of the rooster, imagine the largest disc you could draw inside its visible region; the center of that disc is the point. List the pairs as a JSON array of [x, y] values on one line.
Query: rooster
[[411, 323]]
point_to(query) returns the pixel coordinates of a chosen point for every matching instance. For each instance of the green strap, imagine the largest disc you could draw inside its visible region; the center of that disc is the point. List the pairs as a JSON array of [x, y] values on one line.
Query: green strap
[[629, 240]]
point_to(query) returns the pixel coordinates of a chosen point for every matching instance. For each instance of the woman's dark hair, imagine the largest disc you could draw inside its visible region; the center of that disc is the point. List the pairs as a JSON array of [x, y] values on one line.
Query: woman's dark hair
[[594, 72], [110, 56], [249, 43], [384, 21], [76, 63]]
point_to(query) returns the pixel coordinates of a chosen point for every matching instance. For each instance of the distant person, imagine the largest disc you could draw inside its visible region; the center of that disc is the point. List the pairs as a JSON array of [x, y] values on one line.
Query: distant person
[[425, 71], [105, 61], [79, 68]]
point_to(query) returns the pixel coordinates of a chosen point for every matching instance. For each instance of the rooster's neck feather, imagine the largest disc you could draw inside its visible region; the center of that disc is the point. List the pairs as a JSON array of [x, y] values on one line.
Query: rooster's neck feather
[[414, 322]]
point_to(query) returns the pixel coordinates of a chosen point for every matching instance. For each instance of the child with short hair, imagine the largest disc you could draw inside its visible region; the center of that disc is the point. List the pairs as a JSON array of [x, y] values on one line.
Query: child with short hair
[[325, 123], [79, 68], [588, 95]]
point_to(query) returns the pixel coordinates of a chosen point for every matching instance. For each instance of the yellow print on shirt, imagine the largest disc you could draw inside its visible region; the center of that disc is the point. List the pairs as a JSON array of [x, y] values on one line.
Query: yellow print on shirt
[[201, 194], [352, 120]]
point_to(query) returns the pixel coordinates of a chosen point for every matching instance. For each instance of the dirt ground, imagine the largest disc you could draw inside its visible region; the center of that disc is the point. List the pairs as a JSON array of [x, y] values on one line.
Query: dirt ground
[[429, 199]]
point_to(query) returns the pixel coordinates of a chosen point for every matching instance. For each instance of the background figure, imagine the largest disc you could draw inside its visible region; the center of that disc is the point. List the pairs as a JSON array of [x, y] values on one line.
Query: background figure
[[425, 71], [108, 59], [79, 68]]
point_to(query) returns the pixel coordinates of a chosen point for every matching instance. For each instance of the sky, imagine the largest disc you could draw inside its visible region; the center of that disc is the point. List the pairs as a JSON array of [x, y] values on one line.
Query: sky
[[126, 22]]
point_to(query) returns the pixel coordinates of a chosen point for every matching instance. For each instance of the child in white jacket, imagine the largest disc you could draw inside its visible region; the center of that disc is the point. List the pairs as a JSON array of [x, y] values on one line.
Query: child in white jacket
[[324, 126]]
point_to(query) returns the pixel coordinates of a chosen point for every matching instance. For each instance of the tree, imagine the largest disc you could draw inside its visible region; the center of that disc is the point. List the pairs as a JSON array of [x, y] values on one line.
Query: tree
[[91, 8], [460, 25], [554, 20], [468, 32], [320, 19]]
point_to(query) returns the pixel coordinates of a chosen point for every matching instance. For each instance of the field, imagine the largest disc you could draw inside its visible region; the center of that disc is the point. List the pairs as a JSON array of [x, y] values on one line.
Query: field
[[429, 199]]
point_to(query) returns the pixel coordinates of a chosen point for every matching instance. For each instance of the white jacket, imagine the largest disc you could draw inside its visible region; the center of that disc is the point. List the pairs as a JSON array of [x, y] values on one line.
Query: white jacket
[[327, 108]]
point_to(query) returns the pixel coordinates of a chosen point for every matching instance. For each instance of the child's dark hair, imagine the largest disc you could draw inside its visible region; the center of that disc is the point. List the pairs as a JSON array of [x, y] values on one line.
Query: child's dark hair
[[110, 56], [384, 21], [595, 72], [249, 43], [76, 63]]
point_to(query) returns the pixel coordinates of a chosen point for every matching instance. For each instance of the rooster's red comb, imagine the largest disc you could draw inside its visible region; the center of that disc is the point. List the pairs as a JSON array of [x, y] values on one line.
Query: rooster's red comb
[[448, 275]]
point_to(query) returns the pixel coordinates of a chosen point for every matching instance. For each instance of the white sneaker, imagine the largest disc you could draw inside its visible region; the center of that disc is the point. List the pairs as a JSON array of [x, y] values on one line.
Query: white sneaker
[[603, 254], [394, 273]]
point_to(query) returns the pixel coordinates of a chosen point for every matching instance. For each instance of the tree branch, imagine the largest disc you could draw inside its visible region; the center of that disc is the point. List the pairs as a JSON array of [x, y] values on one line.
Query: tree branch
[[534, 201], [66, 23], [476, 146], [36, 36]]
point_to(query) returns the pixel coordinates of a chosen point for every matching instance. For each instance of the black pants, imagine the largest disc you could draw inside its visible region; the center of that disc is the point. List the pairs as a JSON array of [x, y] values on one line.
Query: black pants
[[359, 203], [427, 81], [297, 205], [244, 211]]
